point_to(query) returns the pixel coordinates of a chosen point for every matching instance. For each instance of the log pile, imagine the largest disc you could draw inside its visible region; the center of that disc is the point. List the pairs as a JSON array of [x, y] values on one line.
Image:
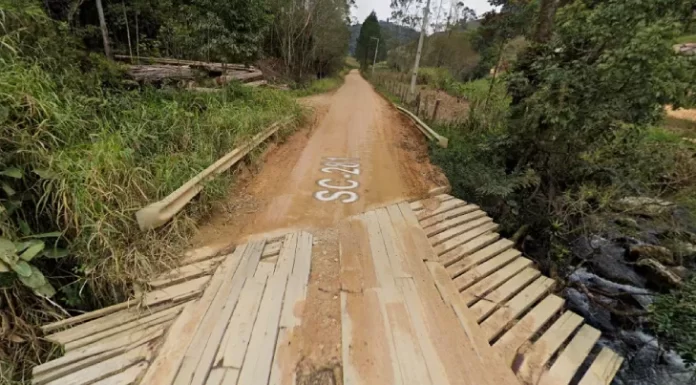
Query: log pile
[[151, 70]]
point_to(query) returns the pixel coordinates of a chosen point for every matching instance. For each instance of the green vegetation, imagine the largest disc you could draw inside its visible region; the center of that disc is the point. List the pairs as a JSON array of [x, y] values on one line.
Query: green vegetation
[[80, 154], [368, 40], [686, 39], [675, 317], [575, 124], [320, 86]]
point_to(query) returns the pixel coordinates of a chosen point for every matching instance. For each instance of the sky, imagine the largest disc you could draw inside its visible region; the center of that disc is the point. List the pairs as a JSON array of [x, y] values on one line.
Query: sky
[[381, 7]]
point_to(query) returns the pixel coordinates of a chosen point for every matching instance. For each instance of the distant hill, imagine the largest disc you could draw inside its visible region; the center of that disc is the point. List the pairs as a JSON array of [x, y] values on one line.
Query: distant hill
[[394, 35]]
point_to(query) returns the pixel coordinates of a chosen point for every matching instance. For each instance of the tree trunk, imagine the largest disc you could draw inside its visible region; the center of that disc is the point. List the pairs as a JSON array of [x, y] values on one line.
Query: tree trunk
[[137, 37], [547, 13], [125, 16], [104, 30]]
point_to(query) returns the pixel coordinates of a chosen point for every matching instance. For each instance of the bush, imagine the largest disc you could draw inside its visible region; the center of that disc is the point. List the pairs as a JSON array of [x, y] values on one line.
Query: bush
[[674, 315]]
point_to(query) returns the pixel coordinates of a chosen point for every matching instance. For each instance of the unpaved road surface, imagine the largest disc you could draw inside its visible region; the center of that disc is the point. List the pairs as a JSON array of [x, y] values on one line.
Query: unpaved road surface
[[304, 184], [359, 153]]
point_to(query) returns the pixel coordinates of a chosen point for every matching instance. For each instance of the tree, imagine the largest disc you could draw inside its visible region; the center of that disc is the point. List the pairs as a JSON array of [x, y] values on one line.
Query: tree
[[310, 36], [607, 71], [104, 30], [367, 41]]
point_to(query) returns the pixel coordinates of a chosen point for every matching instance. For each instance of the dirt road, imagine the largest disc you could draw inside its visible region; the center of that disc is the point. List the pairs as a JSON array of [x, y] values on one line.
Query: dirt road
[[361, 154]]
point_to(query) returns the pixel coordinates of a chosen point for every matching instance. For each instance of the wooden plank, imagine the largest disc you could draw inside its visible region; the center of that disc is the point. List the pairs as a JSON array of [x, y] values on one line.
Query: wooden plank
[[368, 351], [231, 376], [418, 205], [417, 318], [259, 356], [450, 228], [185, 273], [505, 292], [408, 350], [206, 252], [89, 316], [286, 259], [130, 327], [93, 354], [264, 270], [529, 325], [468, 248], [176, 293], [603, 368], [462, 228], [126, 377], [495, 280], [105, 368], [483, 270], [242, 323], [568, 362], [202, 352], [297, 284], [216, 376], [101, 324], [271, 249], [459, 360], [426, 223], [421, 243], [451, 296], [380, 264], [482, 255], [182, 332], [444, 206], [518, 304], [480, 227], [389, 237], [535, 359]]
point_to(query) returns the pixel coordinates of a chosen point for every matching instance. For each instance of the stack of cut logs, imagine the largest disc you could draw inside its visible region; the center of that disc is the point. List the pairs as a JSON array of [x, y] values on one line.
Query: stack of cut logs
[[156, 70]]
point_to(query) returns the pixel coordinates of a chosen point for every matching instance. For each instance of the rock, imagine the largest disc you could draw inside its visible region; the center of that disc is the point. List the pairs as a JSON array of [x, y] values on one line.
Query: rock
[[628, 222], [650, 363], [658, 253], [607, 260], [681, 271], [684, 252], [593, 313], [658, 273], [651, 207], [641, 296]]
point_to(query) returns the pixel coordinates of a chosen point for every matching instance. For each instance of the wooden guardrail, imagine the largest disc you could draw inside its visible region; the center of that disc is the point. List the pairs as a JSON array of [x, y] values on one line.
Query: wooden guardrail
[[425, 129], [159, 213]]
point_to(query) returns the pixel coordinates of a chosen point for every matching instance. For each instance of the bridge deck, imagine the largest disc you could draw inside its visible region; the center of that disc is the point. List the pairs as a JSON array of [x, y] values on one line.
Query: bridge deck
[[430, 294], [489, 282]]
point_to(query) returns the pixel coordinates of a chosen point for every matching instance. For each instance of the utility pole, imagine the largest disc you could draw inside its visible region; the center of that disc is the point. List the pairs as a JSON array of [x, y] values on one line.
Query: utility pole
[[104, 30], [414, 76], [374, 61]]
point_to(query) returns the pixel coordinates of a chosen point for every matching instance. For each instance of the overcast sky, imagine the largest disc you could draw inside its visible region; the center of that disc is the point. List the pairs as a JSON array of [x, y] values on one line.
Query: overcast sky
[[381, 7]]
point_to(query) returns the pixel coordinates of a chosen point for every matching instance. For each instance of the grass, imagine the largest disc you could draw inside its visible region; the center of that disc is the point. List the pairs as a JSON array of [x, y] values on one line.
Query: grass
[[323, 85], [90, 154], [686, 39]]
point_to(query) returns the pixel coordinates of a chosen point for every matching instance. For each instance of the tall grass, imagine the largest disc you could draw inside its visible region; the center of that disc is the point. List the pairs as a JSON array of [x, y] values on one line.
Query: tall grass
[[92, 154]]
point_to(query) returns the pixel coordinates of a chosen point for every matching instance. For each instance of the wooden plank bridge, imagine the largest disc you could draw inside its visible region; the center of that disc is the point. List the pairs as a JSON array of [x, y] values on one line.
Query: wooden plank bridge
[[430, 294]]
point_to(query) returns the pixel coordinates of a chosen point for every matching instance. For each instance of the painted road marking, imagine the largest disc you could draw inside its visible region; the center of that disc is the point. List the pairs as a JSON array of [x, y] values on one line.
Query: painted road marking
[[349, 167]]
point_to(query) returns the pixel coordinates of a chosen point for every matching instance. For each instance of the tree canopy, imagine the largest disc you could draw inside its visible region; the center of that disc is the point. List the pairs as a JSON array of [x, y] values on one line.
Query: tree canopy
[[367, 42]]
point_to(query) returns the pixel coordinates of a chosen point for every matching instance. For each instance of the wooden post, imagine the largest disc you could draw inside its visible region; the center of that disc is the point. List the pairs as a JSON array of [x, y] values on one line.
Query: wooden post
[[437, 106]]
